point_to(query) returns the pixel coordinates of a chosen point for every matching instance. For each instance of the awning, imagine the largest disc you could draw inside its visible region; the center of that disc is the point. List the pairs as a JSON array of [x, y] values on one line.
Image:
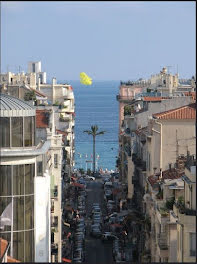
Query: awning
[[76, 184], [66, 224], [67, 260]]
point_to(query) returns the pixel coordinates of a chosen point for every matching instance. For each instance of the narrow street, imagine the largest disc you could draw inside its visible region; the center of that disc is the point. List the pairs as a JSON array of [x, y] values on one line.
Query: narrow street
[[96, 251]]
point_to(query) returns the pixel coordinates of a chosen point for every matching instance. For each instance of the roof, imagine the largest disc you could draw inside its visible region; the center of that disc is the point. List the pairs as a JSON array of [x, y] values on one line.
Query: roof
[[10, 259], [61, 132], [41, 118], [172, 174], [155, 99], [3, 248], [183, 112], [167, 174], [141, 130], [12, 106], [192, 94], [38, 93]]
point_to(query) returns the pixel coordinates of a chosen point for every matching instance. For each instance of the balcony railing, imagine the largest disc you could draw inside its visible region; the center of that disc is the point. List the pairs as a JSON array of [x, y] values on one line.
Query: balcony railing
[[124, 98], [65, 118], [54, 223], [183, 210], [162, 241]]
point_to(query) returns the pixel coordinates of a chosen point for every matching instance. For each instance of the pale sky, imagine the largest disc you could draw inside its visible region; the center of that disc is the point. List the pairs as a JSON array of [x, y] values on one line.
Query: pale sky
[[107, 40]]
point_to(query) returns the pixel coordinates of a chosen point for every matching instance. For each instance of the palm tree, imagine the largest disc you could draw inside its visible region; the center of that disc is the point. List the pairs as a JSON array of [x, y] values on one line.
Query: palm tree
[[94, 132]]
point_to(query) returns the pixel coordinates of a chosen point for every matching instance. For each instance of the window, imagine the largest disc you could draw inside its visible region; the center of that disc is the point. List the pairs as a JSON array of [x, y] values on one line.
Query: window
[[28, 131], [29, 179], [18, 180], [39, 168], [192, 244], [5, 180], [55, 160], [17, 132], [4, 132]]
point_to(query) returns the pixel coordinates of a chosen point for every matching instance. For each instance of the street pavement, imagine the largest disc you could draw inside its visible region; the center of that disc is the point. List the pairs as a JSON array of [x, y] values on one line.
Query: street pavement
[[96, 252]]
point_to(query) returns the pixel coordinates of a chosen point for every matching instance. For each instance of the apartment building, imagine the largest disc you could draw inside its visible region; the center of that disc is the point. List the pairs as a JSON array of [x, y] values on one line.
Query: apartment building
[[170, 203], [24, 193], [46, 131]]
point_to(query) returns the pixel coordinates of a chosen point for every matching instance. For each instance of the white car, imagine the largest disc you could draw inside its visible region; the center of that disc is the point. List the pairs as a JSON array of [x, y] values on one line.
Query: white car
[[90, 178]]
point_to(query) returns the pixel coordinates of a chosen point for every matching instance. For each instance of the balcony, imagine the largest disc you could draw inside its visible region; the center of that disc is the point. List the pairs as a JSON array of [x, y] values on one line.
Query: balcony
[[121, 98], [183, 210], [162, 241], [54, 248], [65, 118]]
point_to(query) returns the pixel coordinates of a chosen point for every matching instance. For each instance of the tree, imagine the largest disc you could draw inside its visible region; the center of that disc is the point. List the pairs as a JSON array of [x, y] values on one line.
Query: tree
[[81, 170], [94, 132], [30, 96]]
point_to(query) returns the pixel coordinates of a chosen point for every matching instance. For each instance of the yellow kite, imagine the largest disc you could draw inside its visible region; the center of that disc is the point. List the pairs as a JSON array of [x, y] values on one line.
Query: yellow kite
[[85, 79]]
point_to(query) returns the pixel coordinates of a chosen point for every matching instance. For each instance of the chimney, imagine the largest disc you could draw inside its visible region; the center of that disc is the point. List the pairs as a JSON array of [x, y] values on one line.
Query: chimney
[[39, 84]]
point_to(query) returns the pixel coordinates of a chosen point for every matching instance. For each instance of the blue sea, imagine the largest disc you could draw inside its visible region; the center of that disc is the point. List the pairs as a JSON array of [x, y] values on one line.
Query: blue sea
[[96, 105]]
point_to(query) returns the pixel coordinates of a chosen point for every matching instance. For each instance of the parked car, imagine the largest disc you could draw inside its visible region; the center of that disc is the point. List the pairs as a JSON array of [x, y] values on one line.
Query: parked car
[[108, 236], [91, 178], [96, 232], [78, 256]]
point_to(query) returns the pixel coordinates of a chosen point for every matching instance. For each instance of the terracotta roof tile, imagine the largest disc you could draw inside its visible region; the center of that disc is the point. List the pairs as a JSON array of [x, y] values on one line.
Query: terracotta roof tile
[[41, 119], [11, 260], [172, 174], [141, 130], [184, 112], [167, 174], [156, 99], [38, 92], [61, 132], [153, 180], [3, 246]]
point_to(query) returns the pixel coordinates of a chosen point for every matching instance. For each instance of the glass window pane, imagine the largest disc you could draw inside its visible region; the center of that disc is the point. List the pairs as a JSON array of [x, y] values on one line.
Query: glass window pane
[[29, 178], [4, 132], [29, 246], [5, 204], [29, 209], [28, 131], [39, 168], [18, 246], [17, 131], [34, 131], [5, 180], [18, 180], [18, 213]]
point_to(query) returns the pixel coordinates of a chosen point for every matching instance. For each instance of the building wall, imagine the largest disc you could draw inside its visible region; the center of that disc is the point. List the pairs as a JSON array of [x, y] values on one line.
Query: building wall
[[130, 175], [173, 243], [189, 222], [158, 107], [183, 130], [57, 173], [42, 219]]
